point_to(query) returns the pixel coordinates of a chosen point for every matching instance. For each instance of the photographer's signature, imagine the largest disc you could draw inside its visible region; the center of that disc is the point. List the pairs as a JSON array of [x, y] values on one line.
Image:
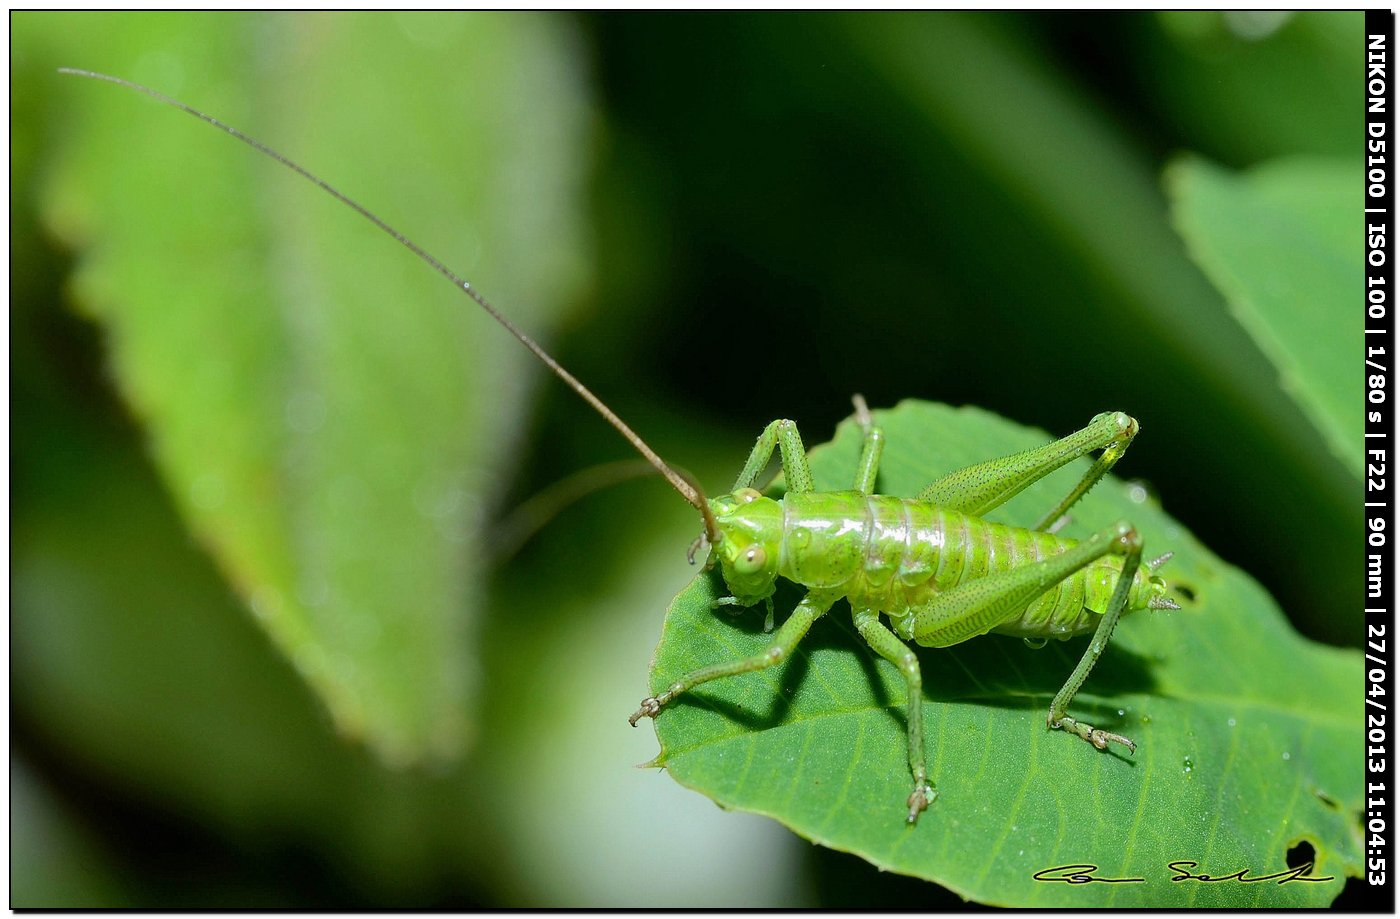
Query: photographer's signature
[[1181, 871]]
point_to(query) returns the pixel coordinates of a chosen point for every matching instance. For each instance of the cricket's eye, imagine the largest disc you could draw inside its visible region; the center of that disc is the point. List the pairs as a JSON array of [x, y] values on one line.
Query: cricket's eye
[[745, 495], [752, 561]]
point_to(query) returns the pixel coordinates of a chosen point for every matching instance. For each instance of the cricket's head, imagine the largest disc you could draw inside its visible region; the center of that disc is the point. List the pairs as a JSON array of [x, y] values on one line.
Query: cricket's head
[[751, 528]]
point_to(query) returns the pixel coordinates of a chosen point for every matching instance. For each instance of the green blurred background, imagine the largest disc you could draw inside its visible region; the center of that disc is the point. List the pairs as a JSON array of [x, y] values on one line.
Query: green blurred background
[[714, 220]]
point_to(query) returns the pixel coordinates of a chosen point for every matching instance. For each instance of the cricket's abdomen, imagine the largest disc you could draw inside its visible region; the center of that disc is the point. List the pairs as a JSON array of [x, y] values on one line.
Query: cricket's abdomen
[[896, 554]]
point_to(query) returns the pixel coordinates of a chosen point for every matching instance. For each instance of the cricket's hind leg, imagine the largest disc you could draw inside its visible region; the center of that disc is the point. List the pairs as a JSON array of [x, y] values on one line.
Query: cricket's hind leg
[[977, 606], [978, 488]]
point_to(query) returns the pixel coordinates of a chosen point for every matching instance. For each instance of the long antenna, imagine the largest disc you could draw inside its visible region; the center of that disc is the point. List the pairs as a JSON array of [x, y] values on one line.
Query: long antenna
[[687, 489]]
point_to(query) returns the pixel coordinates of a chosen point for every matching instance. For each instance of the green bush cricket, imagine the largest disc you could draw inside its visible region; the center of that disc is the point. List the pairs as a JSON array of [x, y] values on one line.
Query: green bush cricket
[[939, 572]]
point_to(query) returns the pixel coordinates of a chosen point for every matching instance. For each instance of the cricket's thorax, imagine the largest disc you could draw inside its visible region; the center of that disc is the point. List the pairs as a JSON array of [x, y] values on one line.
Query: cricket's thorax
[[895, 554]]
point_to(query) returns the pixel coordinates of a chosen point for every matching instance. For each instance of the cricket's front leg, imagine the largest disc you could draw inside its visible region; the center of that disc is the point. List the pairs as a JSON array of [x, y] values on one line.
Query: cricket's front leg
[[781, 435], [780, 649]]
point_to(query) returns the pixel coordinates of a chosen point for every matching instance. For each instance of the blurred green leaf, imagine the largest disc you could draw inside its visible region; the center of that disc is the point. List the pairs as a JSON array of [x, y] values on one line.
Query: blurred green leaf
[[54, 862], [1237, 760], [1282, 244], [1247, 85], [325, 443], [137, 671]]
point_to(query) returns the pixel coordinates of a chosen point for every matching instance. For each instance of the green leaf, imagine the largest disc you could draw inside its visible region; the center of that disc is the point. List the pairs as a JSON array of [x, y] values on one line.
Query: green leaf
[[1238, 759], [1249, 85], [1282, 243], [323, 408]]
